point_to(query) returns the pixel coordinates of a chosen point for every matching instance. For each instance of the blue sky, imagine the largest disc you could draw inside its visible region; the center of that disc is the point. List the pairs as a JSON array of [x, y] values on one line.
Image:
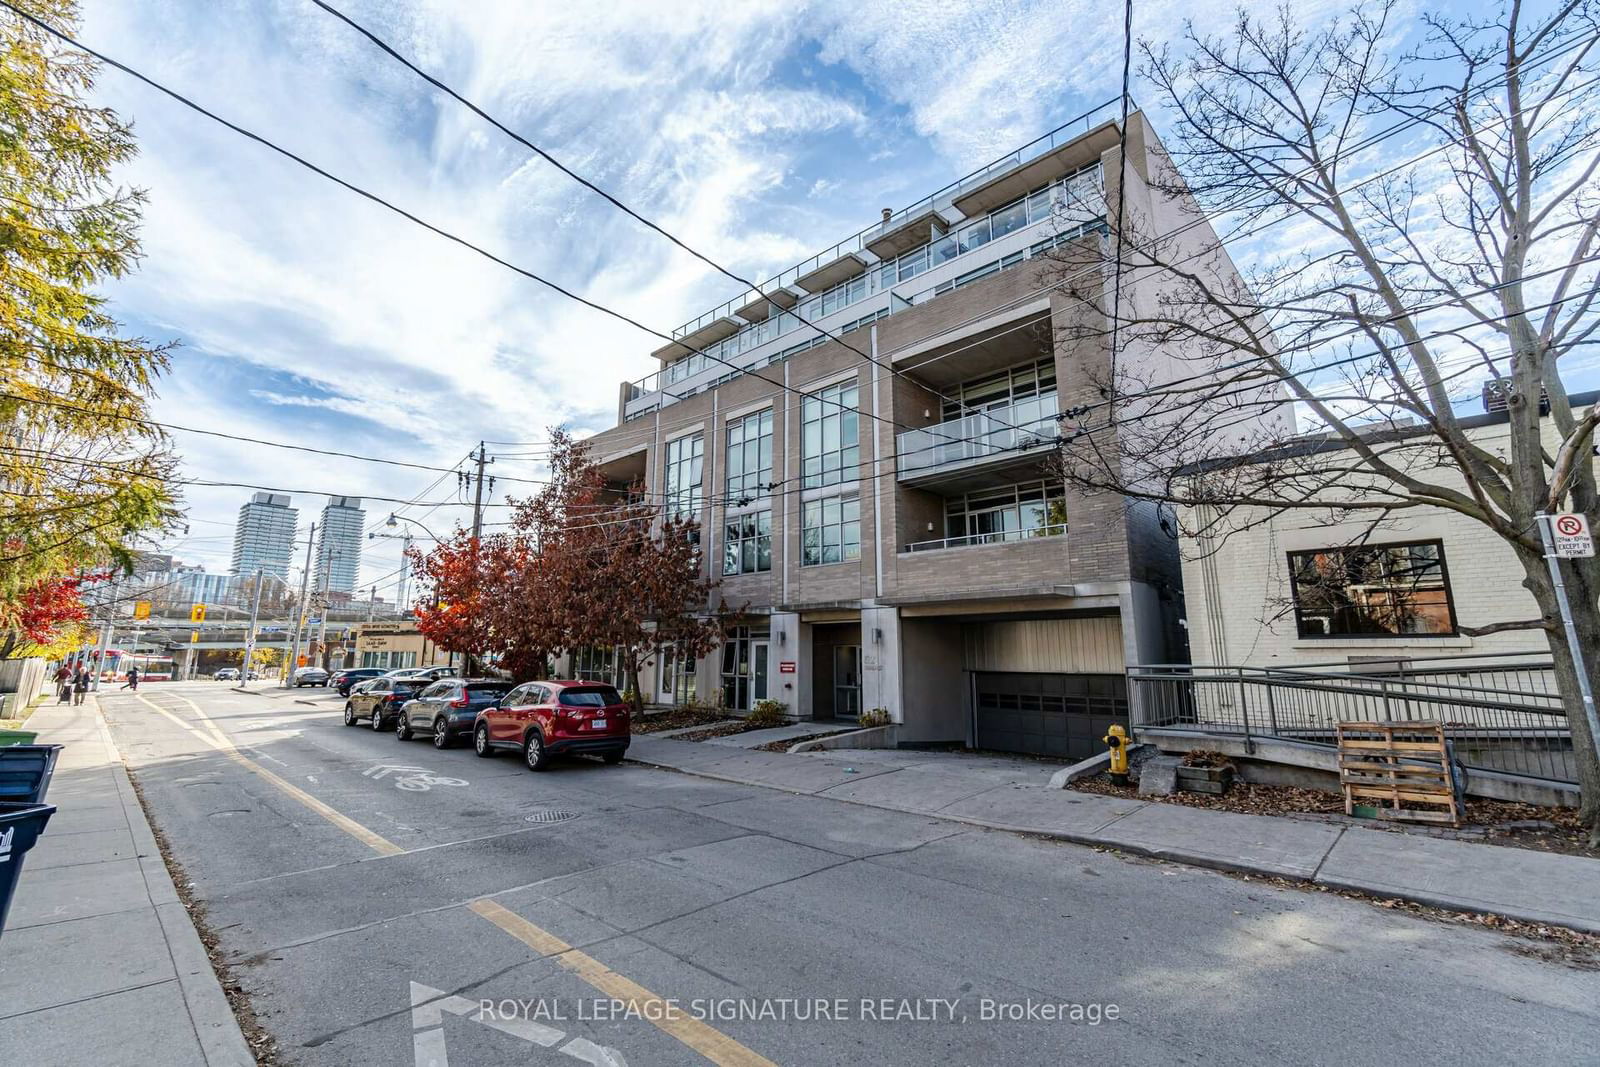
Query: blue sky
[[760, 132]]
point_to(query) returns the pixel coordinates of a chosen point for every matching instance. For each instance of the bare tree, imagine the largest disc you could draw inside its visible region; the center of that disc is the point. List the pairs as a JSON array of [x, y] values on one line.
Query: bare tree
[[1440, 212]]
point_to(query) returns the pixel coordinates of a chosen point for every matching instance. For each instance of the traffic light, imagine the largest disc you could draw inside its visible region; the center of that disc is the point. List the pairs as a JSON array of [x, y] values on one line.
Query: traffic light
[[141, 609], [197, 613]]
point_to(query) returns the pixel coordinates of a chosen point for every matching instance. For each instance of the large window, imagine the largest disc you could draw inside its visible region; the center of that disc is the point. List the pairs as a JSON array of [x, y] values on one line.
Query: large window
[[597, 665], [1001, 390], [747, 543], [829, 449], [750, 456], [1372, 591], [831, 531], [685, 469], [1007, 513]]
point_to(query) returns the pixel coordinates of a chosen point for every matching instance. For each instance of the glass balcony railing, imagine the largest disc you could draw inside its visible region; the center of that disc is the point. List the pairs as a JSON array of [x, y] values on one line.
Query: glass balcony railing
[[995, 538], [857, 243], [1020, 426]]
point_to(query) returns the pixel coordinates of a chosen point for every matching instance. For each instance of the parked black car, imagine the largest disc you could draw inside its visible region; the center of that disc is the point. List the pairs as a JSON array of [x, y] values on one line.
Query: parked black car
[[346, 680], [447, 708], [379, 700]]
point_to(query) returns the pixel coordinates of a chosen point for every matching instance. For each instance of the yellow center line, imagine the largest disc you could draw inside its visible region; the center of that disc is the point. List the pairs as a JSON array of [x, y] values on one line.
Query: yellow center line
[[707, 1040]]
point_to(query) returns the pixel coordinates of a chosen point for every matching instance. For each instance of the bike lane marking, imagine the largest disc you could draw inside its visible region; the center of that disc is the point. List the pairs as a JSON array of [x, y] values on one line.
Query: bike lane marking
[[707, 1040]]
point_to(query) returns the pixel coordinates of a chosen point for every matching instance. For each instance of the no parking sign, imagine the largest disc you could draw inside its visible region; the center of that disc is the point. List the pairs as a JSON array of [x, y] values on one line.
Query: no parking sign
[[1571, 532]]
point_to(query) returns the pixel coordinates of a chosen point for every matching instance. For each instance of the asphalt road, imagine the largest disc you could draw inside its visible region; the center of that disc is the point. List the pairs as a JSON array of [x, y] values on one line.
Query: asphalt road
[[370, 913]]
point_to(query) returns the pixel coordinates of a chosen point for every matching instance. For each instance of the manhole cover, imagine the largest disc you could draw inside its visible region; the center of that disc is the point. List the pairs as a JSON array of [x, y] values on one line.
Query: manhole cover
[[550, 816]]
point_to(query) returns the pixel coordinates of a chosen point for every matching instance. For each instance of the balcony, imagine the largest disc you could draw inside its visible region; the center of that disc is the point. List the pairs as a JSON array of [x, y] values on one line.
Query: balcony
[[1001, 438], [995, 538]]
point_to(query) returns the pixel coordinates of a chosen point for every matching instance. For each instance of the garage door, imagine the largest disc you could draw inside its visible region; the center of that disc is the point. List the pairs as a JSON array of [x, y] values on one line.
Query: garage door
[[1048, 714]]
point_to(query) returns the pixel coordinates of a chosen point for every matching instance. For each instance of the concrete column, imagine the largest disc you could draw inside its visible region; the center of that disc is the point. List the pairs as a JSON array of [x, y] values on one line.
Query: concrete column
[[785, 648], [881, 661]]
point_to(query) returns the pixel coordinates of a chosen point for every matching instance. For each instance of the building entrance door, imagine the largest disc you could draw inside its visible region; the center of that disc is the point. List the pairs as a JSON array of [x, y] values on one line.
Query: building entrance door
[[846, 681], [760, 652]]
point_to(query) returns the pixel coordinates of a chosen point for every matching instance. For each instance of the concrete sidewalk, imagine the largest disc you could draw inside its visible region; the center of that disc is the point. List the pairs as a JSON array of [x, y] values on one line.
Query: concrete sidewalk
[[99, 962], [1513, 882]]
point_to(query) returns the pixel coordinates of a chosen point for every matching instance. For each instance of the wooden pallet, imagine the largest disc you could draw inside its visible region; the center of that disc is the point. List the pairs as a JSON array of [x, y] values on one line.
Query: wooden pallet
[[1399, 763]]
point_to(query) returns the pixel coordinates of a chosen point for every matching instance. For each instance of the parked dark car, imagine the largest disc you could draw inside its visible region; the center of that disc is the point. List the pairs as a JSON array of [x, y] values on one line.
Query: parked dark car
[[447, 709], [308, 676], [379, 701], [346, 680], [547, 719]]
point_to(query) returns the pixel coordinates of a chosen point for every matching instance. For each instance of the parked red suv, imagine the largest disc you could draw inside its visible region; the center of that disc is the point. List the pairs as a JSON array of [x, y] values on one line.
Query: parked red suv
[[547, 719]]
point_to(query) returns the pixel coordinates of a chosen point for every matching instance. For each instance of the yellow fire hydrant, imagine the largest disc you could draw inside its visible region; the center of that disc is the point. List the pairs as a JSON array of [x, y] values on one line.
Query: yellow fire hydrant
[[1117, 739]]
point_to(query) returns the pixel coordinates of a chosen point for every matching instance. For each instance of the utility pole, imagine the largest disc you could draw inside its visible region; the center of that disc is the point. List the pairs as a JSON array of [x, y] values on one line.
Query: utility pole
[[372, 602], [322, 610], [470, 657], [300, 609], [250, 634]]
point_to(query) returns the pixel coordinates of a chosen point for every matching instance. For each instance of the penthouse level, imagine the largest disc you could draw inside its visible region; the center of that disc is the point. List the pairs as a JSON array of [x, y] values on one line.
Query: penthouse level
[[1015, 208], [892, 522]]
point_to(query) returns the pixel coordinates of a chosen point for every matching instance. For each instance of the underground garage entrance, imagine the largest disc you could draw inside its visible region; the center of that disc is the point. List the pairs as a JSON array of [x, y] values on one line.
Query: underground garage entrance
[[1047, 714]]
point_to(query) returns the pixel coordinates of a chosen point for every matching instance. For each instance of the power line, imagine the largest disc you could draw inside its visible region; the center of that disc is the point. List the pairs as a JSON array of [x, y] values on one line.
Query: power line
[[462, 241], [390, 50]]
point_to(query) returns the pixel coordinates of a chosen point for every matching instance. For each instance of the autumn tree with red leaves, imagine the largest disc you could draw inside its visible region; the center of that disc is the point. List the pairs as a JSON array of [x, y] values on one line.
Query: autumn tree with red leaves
[[584, 564], [613, 572], [43, 615], [458, 616]]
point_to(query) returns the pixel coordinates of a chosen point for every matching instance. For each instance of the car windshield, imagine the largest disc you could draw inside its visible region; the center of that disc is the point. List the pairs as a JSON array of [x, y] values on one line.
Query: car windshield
[[598, 697], [407, 685]]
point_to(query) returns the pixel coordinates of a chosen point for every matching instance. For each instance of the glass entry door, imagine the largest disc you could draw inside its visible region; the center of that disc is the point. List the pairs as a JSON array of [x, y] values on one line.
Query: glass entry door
[[760, 652], [846, 681]]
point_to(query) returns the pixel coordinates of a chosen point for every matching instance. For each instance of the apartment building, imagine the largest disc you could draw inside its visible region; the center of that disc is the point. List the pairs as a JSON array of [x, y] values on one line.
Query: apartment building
[[881, 503], [339, 544], [264, 537]]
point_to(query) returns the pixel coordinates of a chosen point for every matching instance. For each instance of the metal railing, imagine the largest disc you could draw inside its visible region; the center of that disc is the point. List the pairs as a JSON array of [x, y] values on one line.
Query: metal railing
[[995, 538], [1016, 427], [1063, 134], [1510, 718]]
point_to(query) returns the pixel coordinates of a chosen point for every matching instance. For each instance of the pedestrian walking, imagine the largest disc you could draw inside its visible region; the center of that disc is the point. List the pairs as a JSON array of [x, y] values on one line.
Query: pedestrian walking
[[63, 678], [133, 679], [80, 684]]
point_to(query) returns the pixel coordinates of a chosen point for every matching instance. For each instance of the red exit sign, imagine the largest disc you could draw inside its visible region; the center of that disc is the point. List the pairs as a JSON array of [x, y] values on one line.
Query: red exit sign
[[786, 666]]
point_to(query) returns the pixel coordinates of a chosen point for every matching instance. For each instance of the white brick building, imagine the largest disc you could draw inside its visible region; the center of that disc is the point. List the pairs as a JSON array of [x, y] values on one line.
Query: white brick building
[[1258, 592]]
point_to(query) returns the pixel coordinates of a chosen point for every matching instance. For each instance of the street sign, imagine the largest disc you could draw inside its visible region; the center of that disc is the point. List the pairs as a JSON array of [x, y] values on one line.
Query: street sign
[[141, 609], [197, 613], [1572, 539], [786, 666]]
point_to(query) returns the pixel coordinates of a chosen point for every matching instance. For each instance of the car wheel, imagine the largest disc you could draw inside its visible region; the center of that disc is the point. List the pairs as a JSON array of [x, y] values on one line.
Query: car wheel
[[441, 732], [402, 727], [377, 717], [533, 753], [612, 758], [480, 741], [349, 714]]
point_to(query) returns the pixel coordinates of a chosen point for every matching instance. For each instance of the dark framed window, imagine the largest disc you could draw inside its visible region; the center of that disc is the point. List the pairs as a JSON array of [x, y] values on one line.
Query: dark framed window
[[749, 455], [1388, 590], [747, 543]]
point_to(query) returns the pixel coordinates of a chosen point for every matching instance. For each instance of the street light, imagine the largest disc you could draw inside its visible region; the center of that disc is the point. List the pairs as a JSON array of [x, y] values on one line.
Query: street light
[[395, 520]]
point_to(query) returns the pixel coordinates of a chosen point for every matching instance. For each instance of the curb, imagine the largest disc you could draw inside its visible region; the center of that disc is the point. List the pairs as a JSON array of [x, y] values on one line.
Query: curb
[[216, 1028], [1094, 839]]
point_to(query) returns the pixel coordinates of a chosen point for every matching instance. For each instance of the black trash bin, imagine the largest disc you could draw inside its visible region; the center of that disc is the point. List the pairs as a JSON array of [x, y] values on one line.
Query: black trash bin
[[25, 772], [20, 827]]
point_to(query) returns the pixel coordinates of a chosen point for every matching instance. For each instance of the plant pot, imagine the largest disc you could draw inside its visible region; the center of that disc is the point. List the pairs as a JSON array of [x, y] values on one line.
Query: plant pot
[[1205, 779]]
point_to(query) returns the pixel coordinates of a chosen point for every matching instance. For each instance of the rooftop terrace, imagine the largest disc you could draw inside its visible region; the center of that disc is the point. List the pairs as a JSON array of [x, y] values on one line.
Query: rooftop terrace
[[1012, 209]]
